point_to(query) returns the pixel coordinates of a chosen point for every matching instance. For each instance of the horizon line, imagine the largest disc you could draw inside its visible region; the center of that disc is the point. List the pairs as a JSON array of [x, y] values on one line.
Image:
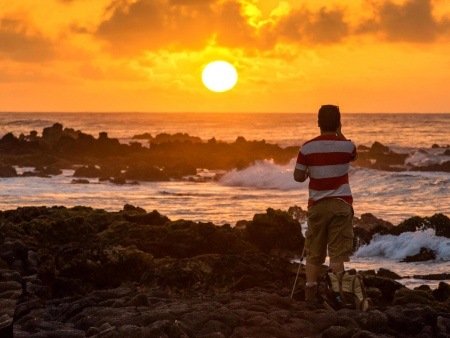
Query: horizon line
[[203, 112]]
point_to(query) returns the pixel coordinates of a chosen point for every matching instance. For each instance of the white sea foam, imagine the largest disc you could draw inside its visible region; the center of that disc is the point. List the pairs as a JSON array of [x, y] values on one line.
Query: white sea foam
[[406, 244], [263, 175], [427, 157]]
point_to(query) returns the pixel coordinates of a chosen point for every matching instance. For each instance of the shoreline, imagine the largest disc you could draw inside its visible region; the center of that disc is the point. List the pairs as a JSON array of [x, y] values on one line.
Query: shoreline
[[75, 272]]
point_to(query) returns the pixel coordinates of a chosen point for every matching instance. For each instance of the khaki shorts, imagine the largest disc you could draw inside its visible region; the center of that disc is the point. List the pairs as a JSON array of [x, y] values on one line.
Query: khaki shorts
[[329, 226]]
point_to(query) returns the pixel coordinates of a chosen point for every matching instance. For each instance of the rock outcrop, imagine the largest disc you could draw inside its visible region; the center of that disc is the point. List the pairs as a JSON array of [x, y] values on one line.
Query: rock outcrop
[[77, 272]]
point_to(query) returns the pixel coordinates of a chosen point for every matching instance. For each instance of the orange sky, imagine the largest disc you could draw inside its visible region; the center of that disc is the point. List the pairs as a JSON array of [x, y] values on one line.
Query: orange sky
[[291, 55]]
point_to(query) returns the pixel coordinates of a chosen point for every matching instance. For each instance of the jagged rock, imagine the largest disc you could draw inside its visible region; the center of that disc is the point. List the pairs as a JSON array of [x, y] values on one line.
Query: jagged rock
[[366, 227], [410, 320], [434, 276], [442, 293], [386, 286], [147, 173], [118, 180], [385, 273], [372, 224], [441, 224], [275, 229], [7, 171], [380, 157], [80, 181], [89, 171], [85, 272], [52, 134], [425, 254], [407, 296], [179, 170]]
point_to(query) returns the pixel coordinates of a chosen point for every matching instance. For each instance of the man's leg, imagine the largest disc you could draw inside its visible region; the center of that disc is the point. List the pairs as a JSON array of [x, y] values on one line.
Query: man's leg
[[340, 234], [312, 272], [336, 267], [316, 246]]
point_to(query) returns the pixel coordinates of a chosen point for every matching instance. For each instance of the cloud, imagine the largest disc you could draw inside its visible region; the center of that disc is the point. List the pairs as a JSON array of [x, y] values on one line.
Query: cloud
[[412, 21], [17, 43], [132, 27], [181, 24], [153, 24], [303, 26]]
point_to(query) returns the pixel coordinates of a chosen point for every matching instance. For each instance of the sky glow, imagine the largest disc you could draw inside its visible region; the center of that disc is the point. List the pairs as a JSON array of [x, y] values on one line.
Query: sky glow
[[291, 55]]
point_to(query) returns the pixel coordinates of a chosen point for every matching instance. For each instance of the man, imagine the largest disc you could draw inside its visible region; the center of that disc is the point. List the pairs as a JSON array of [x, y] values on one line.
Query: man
[[326, 161]]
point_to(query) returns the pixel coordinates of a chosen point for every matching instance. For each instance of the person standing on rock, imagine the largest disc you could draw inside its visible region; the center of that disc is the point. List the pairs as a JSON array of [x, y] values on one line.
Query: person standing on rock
[[326, 159]]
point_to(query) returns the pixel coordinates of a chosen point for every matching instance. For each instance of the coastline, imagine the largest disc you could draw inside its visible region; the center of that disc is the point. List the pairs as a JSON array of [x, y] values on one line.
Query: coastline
[[75, 272]]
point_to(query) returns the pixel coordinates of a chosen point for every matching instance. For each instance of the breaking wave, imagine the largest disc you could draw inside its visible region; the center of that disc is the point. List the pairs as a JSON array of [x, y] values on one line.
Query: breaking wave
[[263, 175], [406, 244]]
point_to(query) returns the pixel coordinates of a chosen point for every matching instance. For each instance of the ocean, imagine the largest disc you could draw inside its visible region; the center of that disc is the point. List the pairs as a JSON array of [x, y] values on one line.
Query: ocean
[[392, 196]]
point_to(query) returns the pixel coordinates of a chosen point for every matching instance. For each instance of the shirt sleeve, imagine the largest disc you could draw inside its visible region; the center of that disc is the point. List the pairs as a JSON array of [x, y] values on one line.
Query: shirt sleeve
[[301, 163], [354, 154]]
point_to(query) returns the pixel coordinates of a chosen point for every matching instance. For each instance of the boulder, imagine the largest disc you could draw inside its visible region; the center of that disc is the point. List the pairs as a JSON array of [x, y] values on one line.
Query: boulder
[[442, 293], [275, 229], [385, 273], [424, 254], [7, 171], [89, 171]]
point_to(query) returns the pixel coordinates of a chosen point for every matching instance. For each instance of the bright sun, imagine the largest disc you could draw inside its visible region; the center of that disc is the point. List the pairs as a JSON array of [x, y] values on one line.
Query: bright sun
[[219, 76]]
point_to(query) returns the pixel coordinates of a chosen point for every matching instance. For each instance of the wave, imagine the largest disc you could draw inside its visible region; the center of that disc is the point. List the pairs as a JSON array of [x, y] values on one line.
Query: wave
[[263, 175], [268, 175], [406, 244], [427, 157]]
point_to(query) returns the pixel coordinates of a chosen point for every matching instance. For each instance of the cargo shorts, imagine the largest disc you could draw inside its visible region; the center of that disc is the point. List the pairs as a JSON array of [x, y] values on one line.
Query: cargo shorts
[[330, 227]]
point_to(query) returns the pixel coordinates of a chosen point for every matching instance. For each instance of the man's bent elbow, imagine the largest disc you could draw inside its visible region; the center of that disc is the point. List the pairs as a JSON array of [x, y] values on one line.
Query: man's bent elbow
[[300, 176]]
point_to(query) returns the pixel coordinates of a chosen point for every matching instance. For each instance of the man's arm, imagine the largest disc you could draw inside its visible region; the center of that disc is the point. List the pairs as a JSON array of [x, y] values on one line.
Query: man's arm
[[300, 175], [339, 133], [341, 136]]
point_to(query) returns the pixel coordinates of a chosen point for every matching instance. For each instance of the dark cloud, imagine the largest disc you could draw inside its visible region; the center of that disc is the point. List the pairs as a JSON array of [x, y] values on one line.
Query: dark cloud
[[412, 21], [152, 24], [135, 26], [303, 26], [232, 27], [18, 44]]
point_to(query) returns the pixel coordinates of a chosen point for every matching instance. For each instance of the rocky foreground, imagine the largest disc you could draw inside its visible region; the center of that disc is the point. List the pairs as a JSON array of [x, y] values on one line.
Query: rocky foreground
[[84, 272]]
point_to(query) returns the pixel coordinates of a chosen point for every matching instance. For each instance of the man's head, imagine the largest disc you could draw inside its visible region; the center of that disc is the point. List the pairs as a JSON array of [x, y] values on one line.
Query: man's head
[[329, 117]]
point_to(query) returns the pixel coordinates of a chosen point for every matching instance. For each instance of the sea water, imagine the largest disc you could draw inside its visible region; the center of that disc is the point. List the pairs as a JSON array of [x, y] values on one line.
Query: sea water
[[392, 196]]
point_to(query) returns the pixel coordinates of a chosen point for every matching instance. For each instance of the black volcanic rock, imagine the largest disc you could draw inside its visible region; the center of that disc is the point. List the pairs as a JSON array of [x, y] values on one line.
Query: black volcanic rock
[[385, 273], [275, 229], [424, 254], [366, 227], [380, 157], [145, 172], [89, 171], [76, 272], [7, 171], [444, 167], [439, 222]]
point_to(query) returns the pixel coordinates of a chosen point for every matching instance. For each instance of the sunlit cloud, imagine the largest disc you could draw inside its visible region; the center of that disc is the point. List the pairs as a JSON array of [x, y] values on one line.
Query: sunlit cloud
[[149, 54], [18, 41], [412, 21]]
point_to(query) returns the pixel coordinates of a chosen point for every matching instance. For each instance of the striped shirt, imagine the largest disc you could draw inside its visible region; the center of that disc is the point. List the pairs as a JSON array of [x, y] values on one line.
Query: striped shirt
[[327, 159]]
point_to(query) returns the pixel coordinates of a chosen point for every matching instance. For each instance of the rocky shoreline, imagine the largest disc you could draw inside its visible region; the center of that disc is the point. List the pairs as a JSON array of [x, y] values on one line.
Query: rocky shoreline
[[84, 272], [166, 157]]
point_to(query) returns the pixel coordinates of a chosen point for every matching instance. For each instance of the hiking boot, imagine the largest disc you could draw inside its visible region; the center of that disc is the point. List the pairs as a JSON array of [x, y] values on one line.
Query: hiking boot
[[314, 301], [312, 298]]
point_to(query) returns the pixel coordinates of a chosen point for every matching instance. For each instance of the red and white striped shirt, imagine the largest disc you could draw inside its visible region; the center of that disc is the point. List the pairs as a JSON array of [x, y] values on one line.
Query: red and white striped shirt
[[327, 159]]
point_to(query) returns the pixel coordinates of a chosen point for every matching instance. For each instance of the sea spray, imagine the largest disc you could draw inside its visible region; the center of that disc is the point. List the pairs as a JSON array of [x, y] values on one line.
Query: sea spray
[[263, 175], [406, 244]]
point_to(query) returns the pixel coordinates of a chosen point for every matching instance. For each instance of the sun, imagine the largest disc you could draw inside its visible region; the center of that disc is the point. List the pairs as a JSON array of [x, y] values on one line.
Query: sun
[[219, 76]]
